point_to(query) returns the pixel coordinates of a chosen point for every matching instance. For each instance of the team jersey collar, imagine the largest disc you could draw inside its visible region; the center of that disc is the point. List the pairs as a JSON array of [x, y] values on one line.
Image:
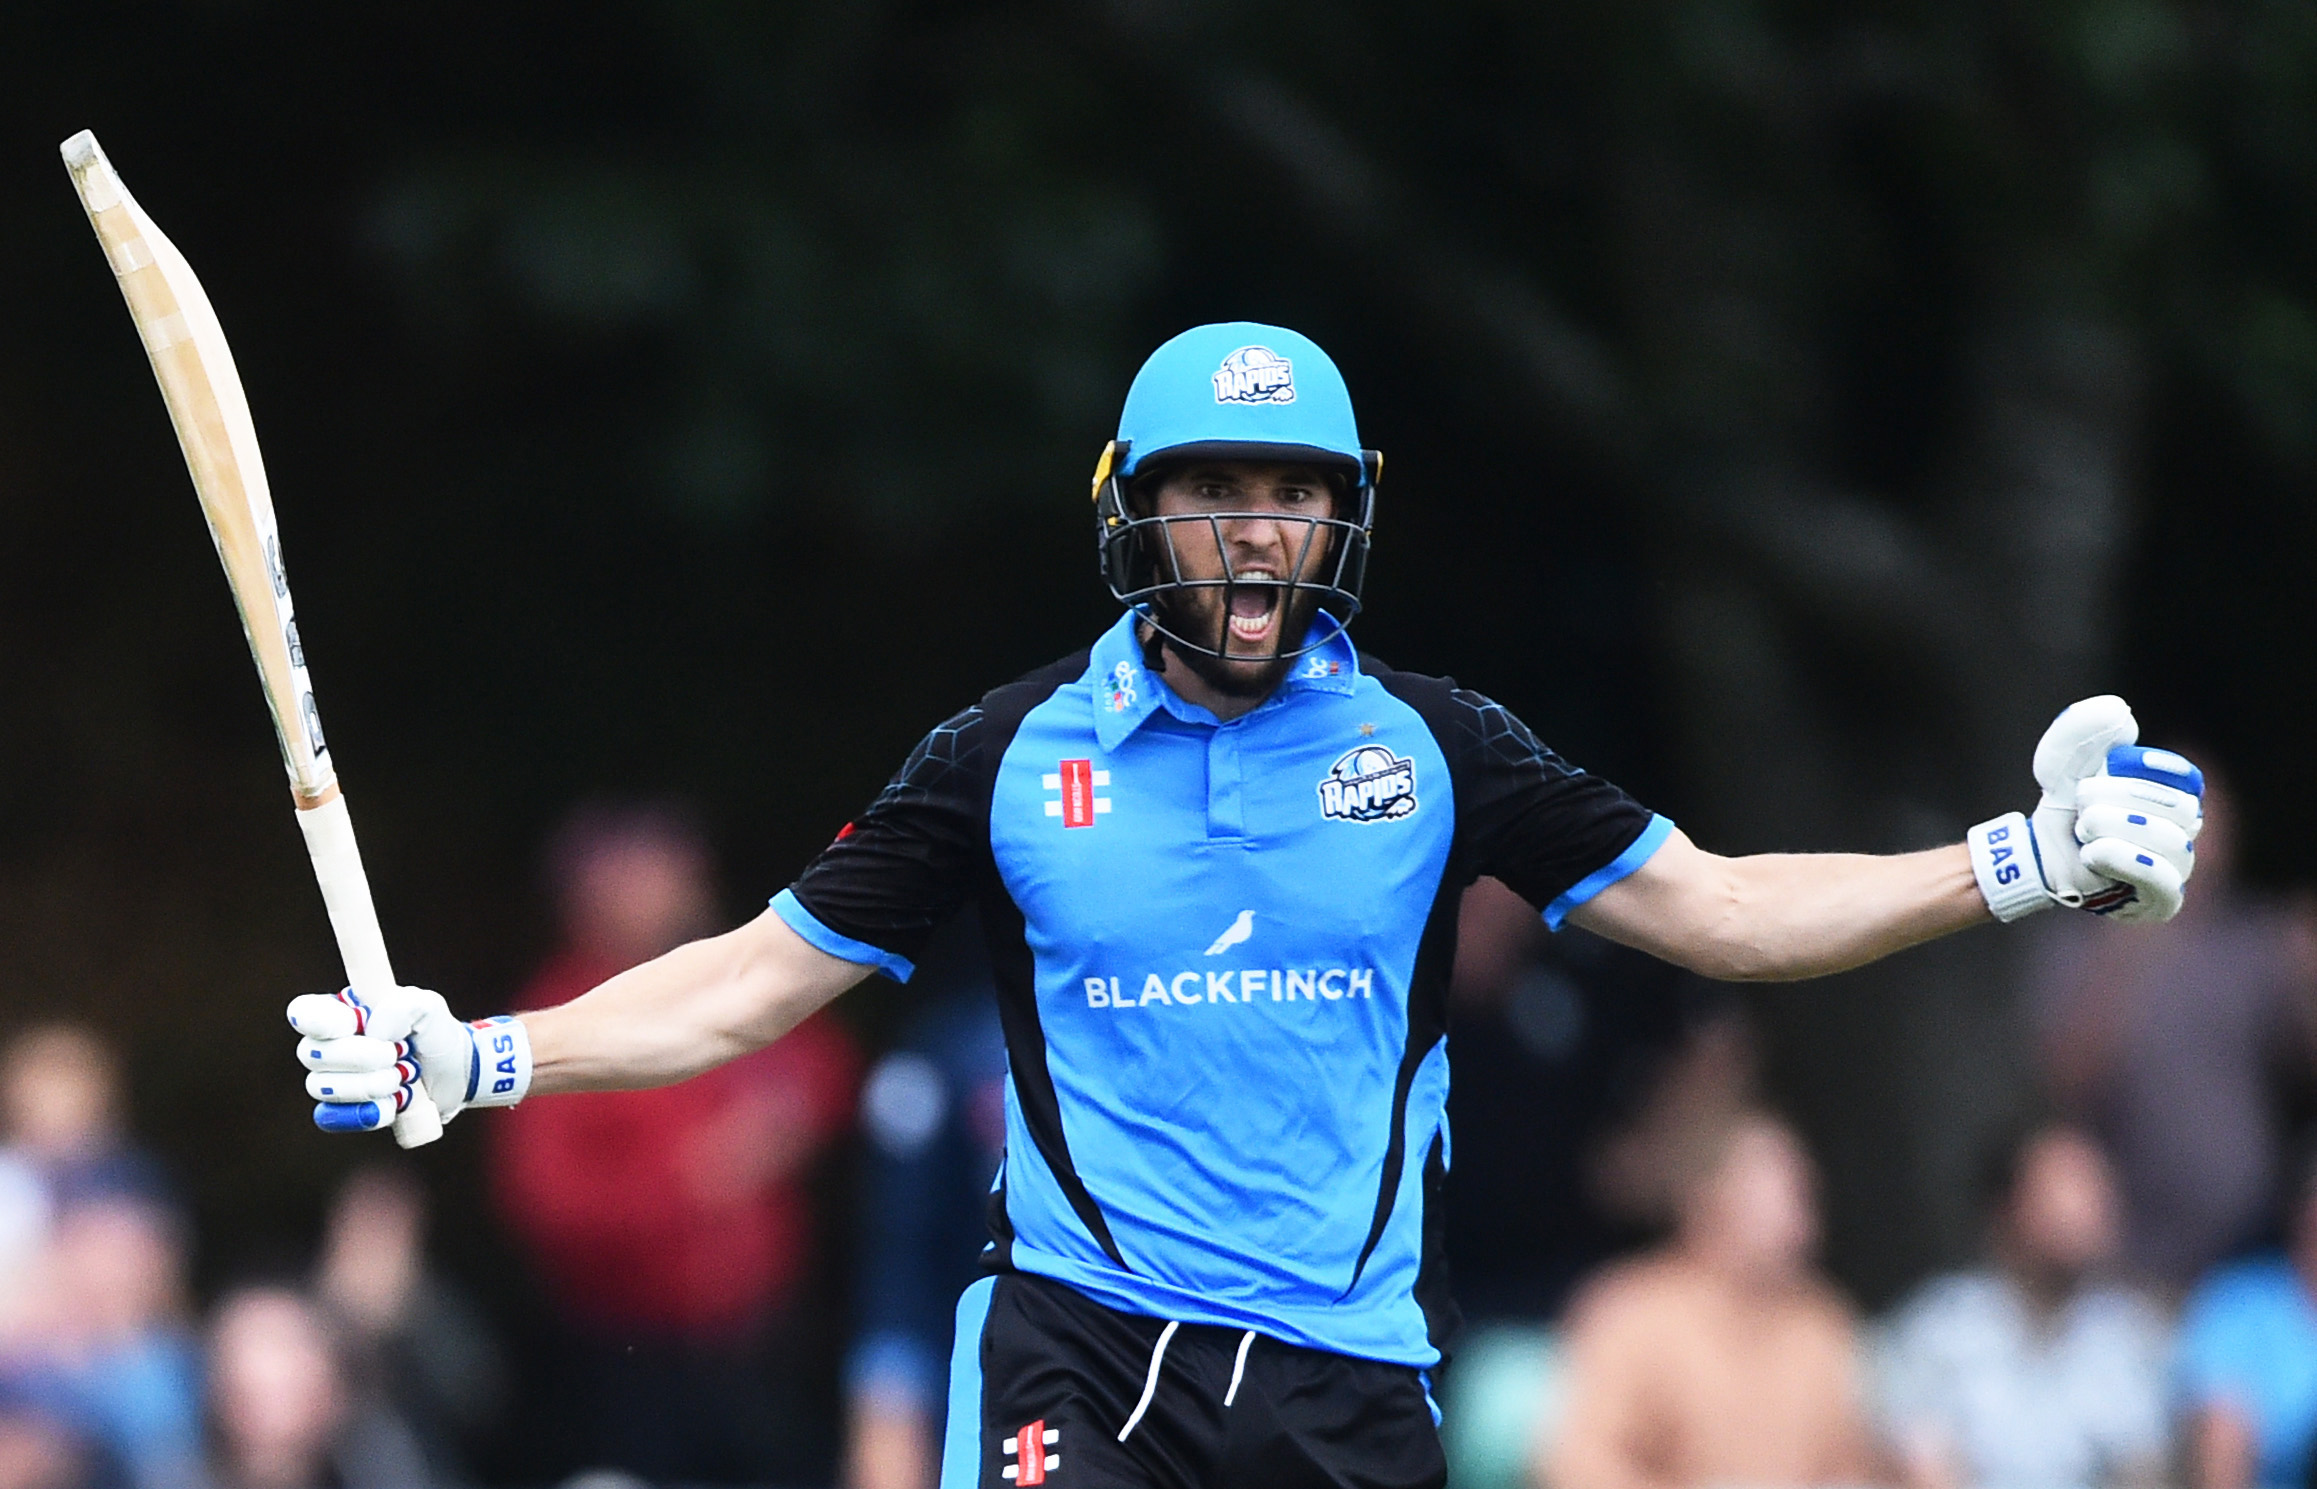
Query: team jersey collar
[[1125, 693]]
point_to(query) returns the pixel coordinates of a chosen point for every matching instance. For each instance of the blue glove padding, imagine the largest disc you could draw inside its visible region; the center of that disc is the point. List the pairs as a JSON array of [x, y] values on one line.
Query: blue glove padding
[[2137, 822]]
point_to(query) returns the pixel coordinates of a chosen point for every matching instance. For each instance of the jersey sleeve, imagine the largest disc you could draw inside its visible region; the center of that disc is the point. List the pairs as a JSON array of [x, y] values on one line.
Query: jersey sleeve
[[875, 895], [1557, 835]]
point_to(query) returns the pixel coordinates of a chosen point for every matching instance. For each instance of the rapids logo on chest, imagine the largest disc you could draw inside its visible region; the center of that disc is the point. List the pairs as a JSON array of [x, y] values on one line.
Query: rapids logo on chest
[[1369, 784]]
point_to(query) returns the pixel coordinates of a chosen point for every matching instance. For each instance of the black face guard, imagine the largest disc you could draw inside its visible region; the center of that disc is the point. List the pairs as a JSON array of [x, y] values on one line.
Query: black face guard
[[1139, 557]]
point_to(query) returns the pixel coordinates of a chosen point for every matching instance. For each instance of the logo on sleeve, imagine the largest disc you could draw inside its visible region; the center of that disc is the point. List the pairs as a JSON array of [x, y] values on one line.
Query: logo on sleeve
[[1369, 784], [1255, 374], [1074, 782]]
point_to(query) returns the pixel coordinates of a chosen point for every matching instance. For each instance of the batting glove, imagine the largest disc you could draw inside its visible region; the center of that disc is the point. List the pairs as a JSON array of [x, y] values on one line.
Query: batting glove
[[2114, 834], [362, 1058]]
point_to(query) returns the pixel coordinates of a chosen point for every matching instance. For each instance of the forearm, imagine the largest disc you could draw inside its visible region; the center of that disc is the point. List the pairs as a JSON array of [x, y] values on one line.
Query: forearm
[[1784, 916], [690, 1010], [1795, 915]]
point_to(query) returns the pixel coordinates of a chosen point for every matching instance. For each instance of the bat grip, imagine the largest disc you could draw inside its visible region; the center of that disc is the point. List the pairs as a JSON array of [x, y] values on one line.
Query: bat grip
[[345, 888]]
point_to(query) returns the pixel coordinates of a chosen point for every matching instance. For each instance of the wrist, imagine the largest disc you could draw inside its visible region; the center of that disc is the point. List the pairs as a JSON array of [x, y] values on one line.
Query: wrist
[[2003, 860], [499, 1072]]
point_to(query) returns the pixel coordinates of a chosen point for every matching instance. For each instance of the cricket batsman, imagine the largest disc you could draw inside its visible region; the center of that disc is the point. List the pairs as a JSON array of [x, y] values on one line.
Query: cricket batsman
[[1218, 855]]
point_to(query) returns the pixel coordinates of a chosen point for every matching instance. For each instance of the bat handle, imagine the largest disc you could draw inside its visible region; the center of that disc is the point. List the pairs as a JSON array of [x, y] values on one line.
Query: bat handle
[[337, 860]]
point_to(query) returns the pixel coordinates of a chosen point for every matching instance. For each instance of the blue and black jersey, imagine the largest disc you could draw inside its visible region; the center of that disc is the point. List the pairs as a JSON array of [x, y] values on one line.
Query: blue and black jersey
[[1222, 954]]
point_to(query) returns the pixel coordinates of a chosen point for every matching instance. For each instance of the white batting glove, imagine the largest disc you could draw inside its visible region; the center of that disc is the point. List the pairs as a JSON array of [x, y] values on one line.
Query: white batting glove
[[362, 1058], [2114, 833]]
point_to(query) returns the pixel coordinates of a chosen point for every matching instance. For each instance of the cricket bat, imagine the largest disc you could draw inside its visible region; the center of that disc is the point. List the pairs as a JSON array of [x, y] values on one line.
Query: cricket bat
[[206, 403]]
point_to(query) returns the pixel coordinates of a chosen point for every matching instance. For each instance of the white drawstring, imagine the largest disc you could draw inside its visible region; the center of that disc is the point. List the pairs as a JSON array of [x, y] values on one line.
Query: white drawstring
[[1150, 1382], [1239, 1365]]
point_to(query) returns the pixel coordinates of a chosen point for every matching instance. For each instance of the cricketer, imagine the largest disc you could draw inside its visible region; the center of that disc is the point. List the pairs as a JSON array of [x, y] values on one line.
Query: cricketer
[[1218, 855]]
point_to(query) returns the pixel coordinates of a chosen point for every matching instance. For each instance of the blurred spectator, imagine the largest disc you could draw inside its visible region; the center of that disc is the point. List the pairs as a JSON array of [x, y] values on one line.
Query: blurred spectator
[[107, 1356], [1641, 1168], [2033, 1372], [98, 1381], [24, 1223], [62, 1112], [1582, 1072], [1554, 1040], [672, 1227], [2173, 1044], [61, 1120], [411, 1336], [285, 1413], [934, 1113], [2248, 1362], [37, 1453], [1722, 1358]]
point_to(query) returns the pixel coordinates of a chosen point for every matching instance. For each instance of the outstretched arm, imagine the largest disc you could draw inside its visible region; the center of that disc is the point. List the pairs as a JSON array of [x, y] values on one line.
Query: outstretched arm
[[1776, 917], [896, 871], [687, 1011], [679, 1014], [2113, 834]]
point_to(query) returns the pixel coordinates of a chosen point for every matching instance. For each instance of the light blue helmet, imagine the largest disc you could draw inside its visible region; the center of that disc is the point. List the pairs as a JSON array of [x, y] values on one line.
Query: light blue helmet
[[1236, 390], [1240, 389]]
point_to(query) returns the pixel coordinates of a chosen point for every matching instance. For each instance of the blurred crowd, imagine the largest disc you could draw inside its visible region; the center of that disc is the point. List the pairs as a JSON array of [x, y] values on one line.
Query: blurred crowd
[[358, 1371], [2142, 1309], [748, 1279]]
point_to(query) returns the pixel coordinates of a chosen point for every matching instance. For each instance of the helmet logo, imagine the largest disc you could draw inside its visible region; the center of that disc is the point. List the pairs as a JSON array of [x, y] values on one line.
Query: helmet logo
[[1255, 374]]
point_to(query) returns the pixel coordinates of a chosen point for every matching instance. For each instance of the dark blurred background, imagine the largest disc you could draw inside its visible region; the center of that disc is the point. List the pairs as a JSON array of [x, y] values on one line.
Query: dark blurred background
[[1788, 407]]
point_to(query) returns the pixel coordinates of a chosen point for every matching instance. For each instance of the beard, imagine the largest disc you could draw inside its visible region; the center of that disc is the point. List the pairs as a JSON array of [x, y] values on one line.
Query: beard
[[1199, 613]]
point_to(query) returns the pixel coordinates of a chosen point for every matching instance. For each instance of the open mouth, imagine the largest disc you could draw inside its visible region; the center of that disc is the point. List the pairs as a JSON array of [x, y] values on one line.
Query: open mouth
[[1255, 603]]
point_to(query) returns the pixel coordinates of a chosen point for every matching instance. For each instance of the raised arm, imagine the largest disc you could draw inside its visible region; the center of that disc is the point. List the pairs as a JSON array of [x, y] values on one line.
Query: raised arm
[[1775, 917], [676, 1015], [865, 904], [2113, 834], [687, 1011]]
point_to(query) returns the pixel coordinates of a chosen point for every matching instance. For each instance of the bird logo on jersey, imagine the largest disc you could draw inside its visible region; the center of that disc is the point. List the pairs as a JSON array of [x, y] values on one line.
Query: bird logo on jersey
[[1369, 784], [1255, 374], [1234, 934]]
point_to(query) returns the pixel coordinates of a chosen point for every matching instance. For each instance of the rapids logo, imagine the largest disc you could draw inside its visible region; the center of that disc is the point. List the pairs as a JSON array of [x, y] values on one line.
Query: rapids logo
[[1255, 374], [1369, 784]]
